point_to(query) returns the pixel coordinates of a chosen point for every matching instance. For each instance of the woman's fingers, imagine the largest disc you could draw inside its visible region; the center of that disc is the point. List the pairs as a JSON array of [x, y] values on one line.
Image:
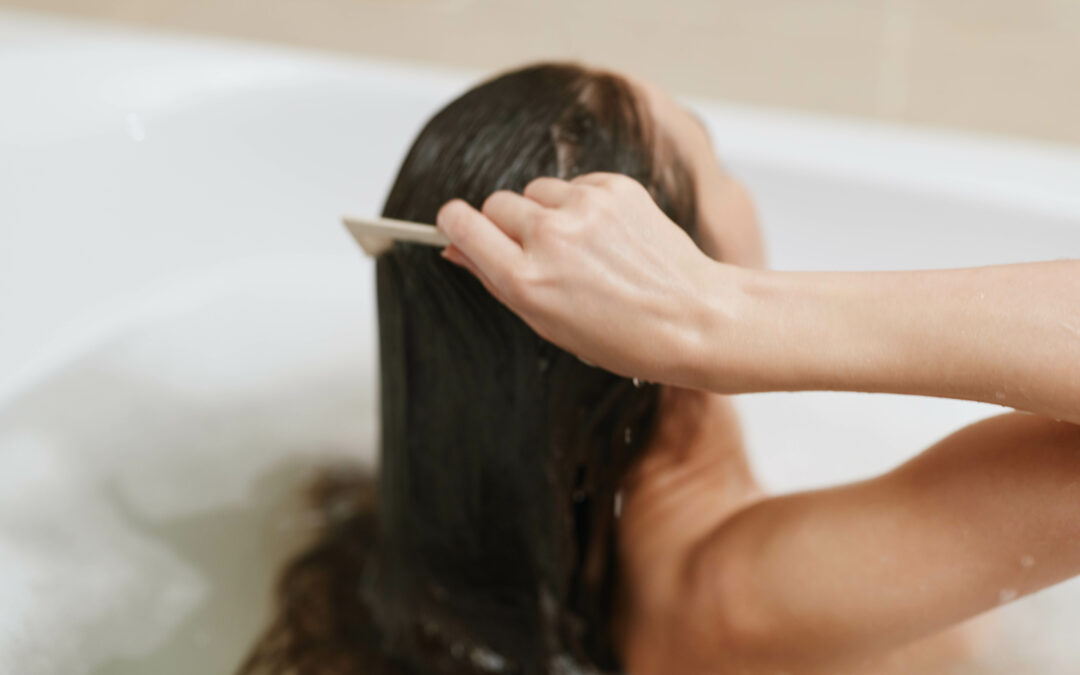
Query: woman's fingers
[[549, 192], [600, 179], [612, 279], [512, 213], [454, 255], [477, 238]]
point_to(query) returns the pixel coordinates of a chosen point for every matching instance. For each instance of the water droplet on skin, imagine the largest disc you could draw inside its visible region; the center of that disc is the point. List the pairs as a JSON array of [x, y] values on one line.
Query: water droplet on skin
[[1027, 562], [1007, 595], [638, 383], [627, 435]]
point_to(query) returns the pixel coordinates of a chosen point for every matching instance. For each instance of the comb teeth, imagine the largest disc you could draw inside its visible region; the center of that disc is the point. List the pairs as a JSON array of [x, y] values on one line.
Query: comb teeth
[[377, 235], [374, 245]]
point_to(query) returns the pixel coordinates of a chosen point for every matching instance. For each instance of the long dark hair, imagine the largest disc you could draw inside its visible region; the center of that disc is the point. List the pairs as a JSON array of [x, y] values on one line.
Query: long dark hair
[[487, 543]]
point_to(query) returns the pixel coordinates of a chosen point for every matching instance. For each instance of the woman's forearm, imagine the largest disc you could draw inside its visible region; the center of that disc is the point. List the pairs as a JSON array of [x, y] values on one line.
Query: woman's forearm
[[1008, 334], [594, 266]]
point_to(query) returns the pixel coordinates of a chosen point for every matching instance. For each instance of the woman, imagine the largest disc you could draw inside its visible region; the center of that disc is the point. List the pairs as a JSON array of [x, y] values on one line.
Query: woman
[[536, 514], [488, 543], [818, 581]]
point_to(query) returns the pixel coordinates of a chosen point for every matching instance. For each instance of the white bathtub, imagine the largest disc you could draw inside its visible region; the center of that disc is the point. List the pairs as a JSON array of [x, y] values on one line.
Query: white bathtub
[[186, 330]]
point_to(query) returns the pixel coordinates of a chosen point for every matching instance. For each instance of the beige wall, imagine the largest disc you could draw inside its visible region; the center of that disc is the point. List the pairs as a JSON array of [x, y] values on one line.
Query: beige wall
[[996, 66]]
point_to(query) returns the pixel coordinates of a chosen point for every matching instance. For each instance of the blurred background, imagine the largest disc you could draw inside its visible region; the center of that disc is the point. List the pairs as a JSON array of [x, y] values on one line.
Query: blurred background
[[187, 333], [994, 66]]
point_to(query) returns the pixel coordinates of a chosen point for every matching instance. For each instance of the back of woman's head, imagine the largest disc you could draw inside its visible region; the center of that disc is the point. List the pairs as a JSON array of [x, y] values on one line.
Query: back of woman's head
[[492, 545]]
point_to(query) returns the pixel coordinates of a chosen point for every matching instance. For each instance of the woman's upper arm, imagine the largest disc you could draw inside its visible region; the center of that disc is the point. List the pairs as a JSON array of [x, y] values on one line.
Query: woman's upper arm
[[987, 515]]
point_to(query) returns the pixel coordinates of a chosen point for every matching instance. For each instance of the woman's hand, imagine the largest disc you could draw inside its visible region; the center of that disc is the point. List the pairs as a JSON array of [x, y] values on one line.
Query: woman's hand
[[595, 266]]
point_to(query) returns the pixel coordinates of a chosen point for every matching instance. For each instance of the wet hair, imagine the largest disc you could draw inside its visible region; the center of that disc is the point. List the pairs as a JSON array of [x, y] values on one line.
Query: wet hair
[[486, 544]]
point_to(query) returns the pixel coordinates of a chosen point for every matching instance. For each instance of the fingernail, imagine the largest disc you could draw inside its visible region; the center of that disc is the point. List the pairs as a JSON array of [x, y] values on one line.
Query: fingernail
[[451, 255]]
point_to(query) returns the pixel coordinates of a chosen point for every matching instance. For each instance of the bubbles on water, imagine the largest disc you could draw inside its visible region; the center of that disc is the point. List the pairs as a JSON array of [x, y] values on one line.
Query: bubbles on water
[[1027, 562], [1007, 595], [627, 435]]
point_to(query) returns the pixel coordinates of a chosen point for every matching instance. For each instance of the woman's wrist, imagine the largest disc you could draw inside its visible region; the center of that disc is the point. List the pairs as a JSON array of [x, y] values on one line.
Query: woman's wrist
[[1007, 334], [792, 331], [729, 324]]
